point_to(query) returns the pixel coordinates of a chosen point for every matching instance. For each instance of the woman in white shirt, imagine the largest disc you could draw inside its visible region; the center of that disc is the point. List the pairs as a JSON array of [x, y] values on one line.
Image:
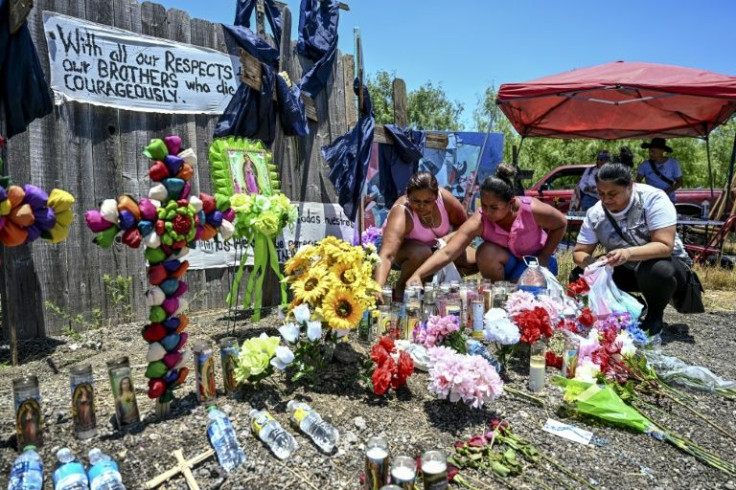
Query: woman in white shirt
[[635, 223]]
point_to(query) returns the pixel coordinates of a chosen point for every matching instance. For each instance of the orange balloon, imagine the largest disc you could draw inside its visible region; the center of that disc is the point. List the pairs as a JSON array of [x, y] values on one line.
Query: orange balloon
[[178, 273], [16, 195], [22, 215], [185, 172], [127, 203], [12, 235], [208, 232], [183, 373], [183, 323]]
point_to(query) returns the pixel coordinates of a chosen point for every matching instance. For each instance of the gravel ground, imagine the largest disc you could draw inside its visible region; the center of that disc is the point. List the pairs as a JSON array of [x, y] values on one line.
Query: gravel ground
[[413, 420]]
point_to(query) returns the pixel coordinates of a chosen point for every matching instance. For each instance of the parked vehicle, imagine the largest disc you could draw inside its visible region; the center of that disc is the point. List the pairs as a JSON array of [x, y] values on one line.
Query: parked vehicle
[[557, 188]]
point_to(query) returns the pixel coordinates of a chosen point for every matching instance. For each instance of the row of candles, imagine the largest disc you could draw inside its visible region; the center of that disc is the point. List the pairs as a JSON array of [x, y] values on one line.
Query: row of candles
[[399, 472], [27, 394]]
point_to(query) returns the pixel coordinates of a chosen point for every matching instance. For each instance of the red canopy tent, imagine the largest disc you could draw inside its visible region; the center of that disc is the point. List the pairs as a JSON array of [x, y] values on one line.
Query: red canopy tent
[[620, 100]]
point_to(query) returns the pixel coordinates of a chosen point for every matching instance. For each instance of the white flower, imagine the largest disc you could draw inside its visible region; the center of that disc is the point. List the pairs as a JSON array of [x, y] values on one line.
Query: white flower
[[289, 332], [283, 358], [502, 331], [314, 330], [301, 313], [494, 314], [587, 371], [626, 342]]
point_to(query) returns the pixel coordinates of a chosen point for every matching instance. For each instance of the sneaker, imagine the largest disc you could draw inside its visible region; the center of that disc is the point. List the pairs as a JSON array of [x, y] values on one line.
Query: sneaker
[[652, 326]]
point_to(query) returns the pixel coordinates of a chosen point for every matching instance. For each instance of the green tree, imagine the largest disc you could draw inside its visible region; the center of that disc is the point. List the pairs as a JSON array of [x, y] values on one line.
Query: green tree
[[428, 107]]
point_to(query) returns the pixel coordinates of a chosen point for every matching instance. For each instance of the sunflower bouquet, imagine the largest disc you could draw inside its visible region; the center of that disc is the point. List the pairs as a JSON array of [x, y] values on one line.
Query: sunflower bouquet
[[335, 279]]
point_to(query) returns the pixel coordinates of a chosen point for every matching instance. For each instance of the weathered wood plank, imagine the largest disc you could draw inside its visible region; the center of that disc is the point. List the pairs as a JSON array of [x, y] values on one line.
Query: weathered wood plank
[[401, 118], [351, 108], [434, 140]]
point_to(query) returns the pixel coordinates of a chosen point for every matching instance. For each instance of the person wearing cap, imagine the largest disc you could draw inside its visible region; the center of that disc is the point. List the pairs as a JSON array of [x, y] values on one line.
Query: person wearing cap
[[586, 193], [660, 171]]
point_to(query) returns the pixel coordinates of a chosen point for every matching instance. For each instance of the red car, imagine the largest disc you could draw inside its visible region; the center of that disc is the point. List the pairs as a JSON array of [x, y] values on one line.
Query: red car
[[557, 189]]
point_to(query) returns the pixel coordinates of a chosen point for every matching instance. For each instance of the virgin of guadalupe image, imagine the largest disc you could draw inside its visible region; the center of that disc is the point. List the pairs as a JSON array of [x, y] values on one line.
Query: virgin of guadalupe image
[[83, 409], [207, 386], [29, 423]]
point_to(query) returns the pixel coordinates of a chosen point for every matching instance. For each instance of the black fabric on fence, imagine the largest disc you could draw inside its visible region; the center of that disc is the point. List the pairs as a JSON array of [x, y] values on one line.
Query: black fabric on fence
[[348, 157], [244, 10], [318, 41], [292, 114], [23, 88], [397, 162]]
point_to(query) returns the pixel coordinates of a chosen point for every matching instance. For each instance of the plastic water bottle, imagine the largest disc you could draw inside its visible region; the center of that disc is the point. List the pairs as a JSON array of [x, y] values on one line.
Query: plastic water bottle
[[223, 439], [476, 348], [324, 434], [103, 472], [270, 431], [27, 471], [69, 474], [532, 280]]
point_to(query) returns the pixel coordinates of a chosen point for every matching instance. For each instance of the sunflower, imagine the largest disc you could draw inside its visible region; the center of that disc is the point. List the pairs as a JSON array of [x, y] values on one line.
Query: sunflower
[[297, 265], [341, 309], [311, 286], [346, 273]]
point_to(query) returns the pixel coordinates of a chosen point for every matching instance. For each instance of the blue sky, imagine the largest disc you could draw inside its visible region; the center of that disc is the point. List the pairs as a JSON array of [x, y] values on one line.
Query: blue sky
[[467, 45]]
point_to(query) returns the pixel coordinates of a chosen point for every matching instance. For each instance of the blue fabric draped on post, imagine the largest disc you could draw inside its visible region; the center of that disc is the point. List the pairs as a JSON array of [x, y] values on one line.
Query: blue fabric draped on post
[[348, 157], [397, 162], [23, 88], [317, 41]]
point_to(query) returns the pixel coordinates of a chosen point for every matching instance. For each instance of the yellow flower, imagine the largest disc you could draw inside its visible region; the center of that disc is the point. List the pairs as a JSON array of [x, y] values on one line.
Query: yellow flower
[[299, 263], [312, 285], [345, 273], [341, 310]]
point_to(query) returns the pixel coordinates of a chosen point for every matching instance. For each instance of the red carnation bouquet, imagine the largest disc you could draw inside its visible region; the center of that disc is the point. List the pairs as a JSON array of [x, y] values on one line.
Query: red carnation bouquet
[[389, 373], [533, 324]]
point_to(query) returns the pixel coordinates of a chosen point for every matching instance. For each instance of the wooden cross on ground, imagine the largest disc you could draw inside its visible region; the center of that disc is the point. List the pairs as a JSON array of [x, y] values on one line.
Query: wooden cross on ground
[[184, 467]]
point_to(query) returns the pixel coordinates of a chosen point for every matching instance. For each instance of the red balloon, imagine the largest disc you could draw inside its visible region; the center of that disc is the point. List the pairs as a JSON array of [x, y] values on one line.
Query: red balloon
[[154, 332], [156, 388]]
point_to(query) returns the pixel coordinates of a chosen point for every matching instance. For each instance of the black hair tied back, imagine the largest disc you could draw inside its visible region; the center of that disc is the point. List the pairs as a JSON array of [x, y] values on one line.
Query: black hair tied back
[[502, 183]]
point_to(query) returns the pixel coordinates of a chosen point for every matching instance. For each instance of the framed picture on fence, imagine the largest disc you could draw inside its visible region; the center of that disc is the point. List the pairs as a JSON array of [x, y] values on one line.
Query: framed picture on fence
[[241, 166]]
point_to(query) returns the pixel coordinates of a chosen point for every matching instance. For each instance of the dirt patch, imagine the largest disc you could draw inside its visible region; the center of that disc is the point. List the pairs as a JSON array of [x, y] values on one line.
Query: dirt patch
[[413, 420]]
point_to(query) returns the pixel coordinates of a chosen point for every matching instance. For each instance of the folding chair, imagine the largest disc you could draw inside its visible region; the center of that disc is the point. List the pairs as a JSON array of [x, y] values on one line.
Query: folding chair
[[700, 254]]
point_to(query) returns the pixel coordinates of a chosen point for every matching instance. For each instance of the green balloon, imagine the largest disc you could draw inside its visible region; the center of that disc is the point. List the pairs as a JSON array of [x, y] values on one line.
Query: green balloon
[[105, 238], [156, 370], [156, 149], [157, 315], [155, 255]]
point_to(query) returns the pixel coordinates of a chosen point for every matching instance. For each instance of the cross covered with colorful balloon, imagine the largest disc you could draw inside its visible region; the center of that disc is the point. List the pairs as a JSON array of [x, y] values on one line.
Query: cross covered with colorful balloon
[[27, 213], [167, 223]]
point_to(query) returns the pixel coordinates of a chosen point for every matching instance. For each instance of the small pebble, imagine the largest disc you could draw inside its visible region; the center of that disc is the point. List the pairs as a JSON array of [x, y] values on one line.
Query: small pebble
[[359, 423]]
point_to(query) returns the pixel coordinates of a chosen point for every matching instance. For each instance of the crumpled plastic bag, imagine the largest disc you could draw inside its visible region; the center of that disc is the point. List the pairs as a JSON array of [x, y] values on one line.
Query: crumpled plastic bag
[[676, 371], [604, 297], [417, 352], [448, 273]]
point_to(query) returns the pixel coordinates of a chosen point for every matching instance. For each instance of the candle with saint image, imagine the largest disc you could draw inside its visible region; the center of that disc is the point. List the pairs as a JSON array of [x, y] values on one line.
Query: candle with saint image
[[376, 463], [434, 470], [403, 472]]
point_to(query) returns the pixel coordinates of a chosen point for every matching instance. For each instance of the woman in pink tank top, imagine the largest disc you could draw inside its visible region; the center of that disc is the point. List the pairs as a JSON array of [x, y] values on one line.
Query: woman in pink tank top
[[416, 222], [511, 228]]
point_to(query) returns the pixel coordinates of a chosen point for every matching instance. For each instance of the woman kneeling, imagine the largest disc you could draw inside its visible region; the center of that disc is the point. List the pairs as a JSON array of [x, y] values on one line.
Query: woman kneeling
[[511, 228], [416, 223], [635, 223]]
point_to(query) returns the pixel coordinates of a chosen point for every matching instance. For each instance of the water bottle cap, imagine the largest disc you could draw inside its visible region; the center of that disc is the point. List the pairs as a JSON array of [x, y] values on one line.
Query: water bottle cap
[[29, 447], [290, 404], [253, 413]]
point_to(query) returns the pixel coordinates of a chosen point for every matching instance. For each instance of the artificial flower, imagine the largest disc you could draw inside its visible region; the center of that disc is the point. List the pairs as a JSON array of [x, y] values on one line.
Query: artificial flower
[[312, 286], [301, 313], [314, 330], [463, 377], [577, 288], [341, 310], [282, 358], [625, 344], [587, 371], [586, 317], [255, 356], [500, 330], [289, 332], [553, 360]]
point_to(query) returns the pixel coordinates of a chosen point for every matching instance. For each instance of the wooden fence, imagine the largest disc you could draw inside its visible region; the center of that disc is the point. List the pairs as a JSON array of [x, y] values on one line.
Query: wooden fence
[[95, 153]]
